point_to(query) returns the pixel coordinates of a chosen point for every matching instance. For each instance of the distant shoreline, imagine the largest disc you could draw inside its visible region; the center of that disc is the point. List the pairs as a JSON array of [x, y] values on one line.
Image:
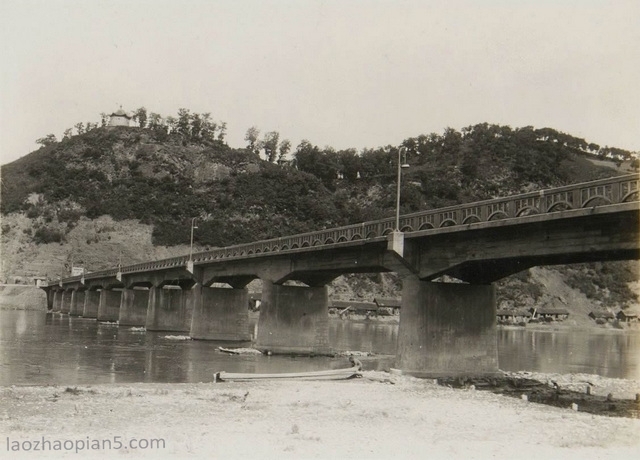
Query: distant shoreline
[[394, 321], [21, 297]]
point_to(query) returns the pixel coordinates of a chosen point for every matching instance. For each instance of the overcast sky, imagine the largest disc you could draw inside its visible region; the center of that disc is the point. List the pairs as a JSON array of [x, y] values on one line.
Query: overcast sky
[[340, 73]]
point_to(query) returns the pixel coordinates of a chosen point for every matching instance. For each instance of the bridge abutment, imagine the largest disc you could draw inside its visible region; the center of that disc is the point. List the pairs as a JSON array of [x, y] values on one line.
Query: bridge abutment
[[77, 303], [169, 309], [447, 329], [133, 308], [220, 314], [293, 319], [109, 307]]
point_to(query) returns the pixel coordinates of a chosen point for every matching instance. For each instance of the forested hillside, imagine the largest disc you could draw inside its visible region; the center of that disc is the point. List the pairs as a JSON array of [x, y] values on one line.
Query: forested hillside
[[163, 178]]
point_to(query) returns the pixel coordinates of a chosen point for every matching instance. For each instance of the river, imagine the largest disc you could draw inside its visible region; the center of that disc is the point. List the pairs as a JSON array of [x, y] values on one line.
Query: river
[[38, 348]]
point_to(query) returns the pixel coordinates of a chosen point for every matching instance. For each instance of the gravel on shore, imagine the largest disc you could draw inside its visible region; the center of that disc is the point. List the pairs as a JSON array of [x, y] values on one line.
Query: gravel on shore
[[377, 416]]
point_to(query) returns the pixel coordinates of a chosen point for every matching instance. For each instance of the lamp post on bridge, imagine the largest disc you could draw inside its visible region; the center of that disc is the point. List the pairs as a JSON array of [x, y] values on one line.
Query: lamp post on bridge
[[402, 152], [395, 240], [119, 273], [190, 262]]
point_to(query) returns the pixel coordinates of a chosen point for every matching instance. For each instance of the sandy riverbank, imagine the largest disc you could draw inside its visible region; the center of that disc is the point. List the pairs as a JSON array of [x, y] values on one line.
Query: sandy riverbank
[[377, 416]]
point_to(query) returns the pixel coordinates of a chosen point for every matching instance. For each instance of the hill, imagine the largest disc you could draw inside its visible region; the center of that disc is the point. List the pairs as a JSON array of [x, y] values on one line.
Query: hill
[[127, 195]]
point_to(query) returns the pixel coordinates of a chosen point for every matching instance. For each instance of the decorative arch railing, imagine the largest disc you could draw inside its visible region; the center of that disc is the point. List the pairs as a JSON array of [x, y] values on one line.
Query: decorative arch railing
[[585, 195]]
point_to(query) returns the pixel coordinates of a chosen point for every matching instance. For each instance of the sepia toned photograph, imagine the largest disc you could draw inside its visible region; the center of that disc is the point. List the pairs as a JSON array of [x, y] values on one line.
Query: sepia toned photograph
[[319, 229]]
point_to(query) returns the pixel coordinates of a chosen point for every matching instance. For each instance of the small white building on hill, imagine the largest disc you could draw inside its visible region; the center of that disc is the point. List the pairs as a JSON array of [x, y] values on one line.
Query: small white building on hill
[[119, 118]]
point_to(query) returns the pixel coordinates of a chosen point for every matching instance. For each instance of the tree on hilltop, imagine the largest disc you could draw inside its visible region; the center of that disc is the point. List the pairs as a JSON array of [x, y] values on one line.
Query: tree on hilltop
[[47, 140], [251, 136], [155, 120], [322, 164], [140, 115], [284, 148], [270, 145], [222, 131], [183, 124]]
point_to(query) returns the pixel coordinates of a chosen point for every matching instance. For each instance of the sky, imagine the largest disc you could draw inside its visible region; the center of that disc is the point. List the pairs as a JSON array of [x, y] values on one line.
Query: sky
[[345, 73]]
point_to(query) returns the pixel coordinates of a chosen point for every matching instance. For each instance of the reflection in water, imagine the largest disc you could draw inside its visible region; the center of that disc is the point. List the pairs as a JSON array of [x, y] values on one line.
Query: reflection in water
[[41, 348], [606, 353], [366, 336]]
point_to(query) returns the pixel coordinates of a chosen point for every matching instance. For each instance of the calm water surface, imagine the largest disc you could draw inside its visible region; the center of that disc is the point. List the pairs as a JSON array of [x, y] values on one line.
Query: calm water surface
[[45, 348]]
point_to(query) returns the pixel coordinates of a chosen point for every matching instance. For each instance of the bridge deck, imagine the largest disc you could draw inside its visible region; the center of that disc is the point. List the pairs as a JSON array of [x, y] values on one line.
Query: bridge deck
[[611, 195]]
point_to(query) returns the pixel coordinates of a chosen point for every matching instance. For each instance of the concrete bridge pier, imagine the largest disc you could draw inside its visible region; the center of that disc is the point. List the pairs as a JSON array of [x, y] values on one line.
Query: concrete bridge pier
[[220, 314], [447, 329], [65, 302], [55, 304], [50, 295], [293, 319], [91, 304], [109, 306], [170, 308], [77, 303], [133, 308]]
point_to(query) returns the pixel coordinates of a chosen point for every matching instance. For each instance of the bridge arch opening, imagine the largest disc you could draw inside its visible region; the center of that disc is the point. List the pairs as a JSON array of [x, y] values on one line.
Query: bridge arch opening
[[498, 215], [527, 211], [559, 206], [219, 285], [596, 201], [140, 285], [471, 220]]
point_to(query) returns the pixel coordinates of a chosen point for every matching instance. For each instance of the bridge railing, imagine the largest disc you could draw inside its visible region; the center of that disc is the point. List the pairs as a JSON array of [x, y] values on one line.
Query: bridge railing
[[595, 193]]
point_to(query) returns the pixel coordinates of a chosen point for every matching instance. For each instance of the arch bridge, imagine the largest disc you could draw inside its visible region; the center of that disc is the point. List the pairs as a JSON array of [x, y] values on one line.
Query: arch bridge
[[445, 328]]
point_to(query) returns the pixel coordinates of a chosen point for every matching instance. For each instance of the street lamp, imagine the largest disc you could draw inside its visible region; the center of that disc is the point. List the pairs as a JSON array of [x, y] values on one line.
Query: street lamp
[[193, 225], [402, 153]]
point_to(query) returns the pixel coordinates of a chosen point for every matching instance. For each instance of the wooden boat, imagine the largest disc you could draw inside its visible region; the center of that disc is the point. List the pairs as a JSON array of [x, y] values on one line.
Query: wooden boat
[[332, 374], [228, 350]]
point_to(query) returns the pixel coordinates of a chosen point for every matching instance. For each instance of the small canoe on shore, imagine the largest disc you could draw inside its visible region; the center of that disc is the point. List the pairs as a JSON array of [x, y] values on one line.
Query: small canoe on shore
[[228, 350], [240, 351], [332, 374]]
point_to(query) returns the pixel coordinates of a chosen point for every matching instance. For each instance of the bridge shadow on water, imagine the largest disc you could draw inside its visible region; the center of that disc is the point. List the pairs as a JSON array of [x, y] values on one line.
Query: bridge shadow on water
[[552, 395]]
